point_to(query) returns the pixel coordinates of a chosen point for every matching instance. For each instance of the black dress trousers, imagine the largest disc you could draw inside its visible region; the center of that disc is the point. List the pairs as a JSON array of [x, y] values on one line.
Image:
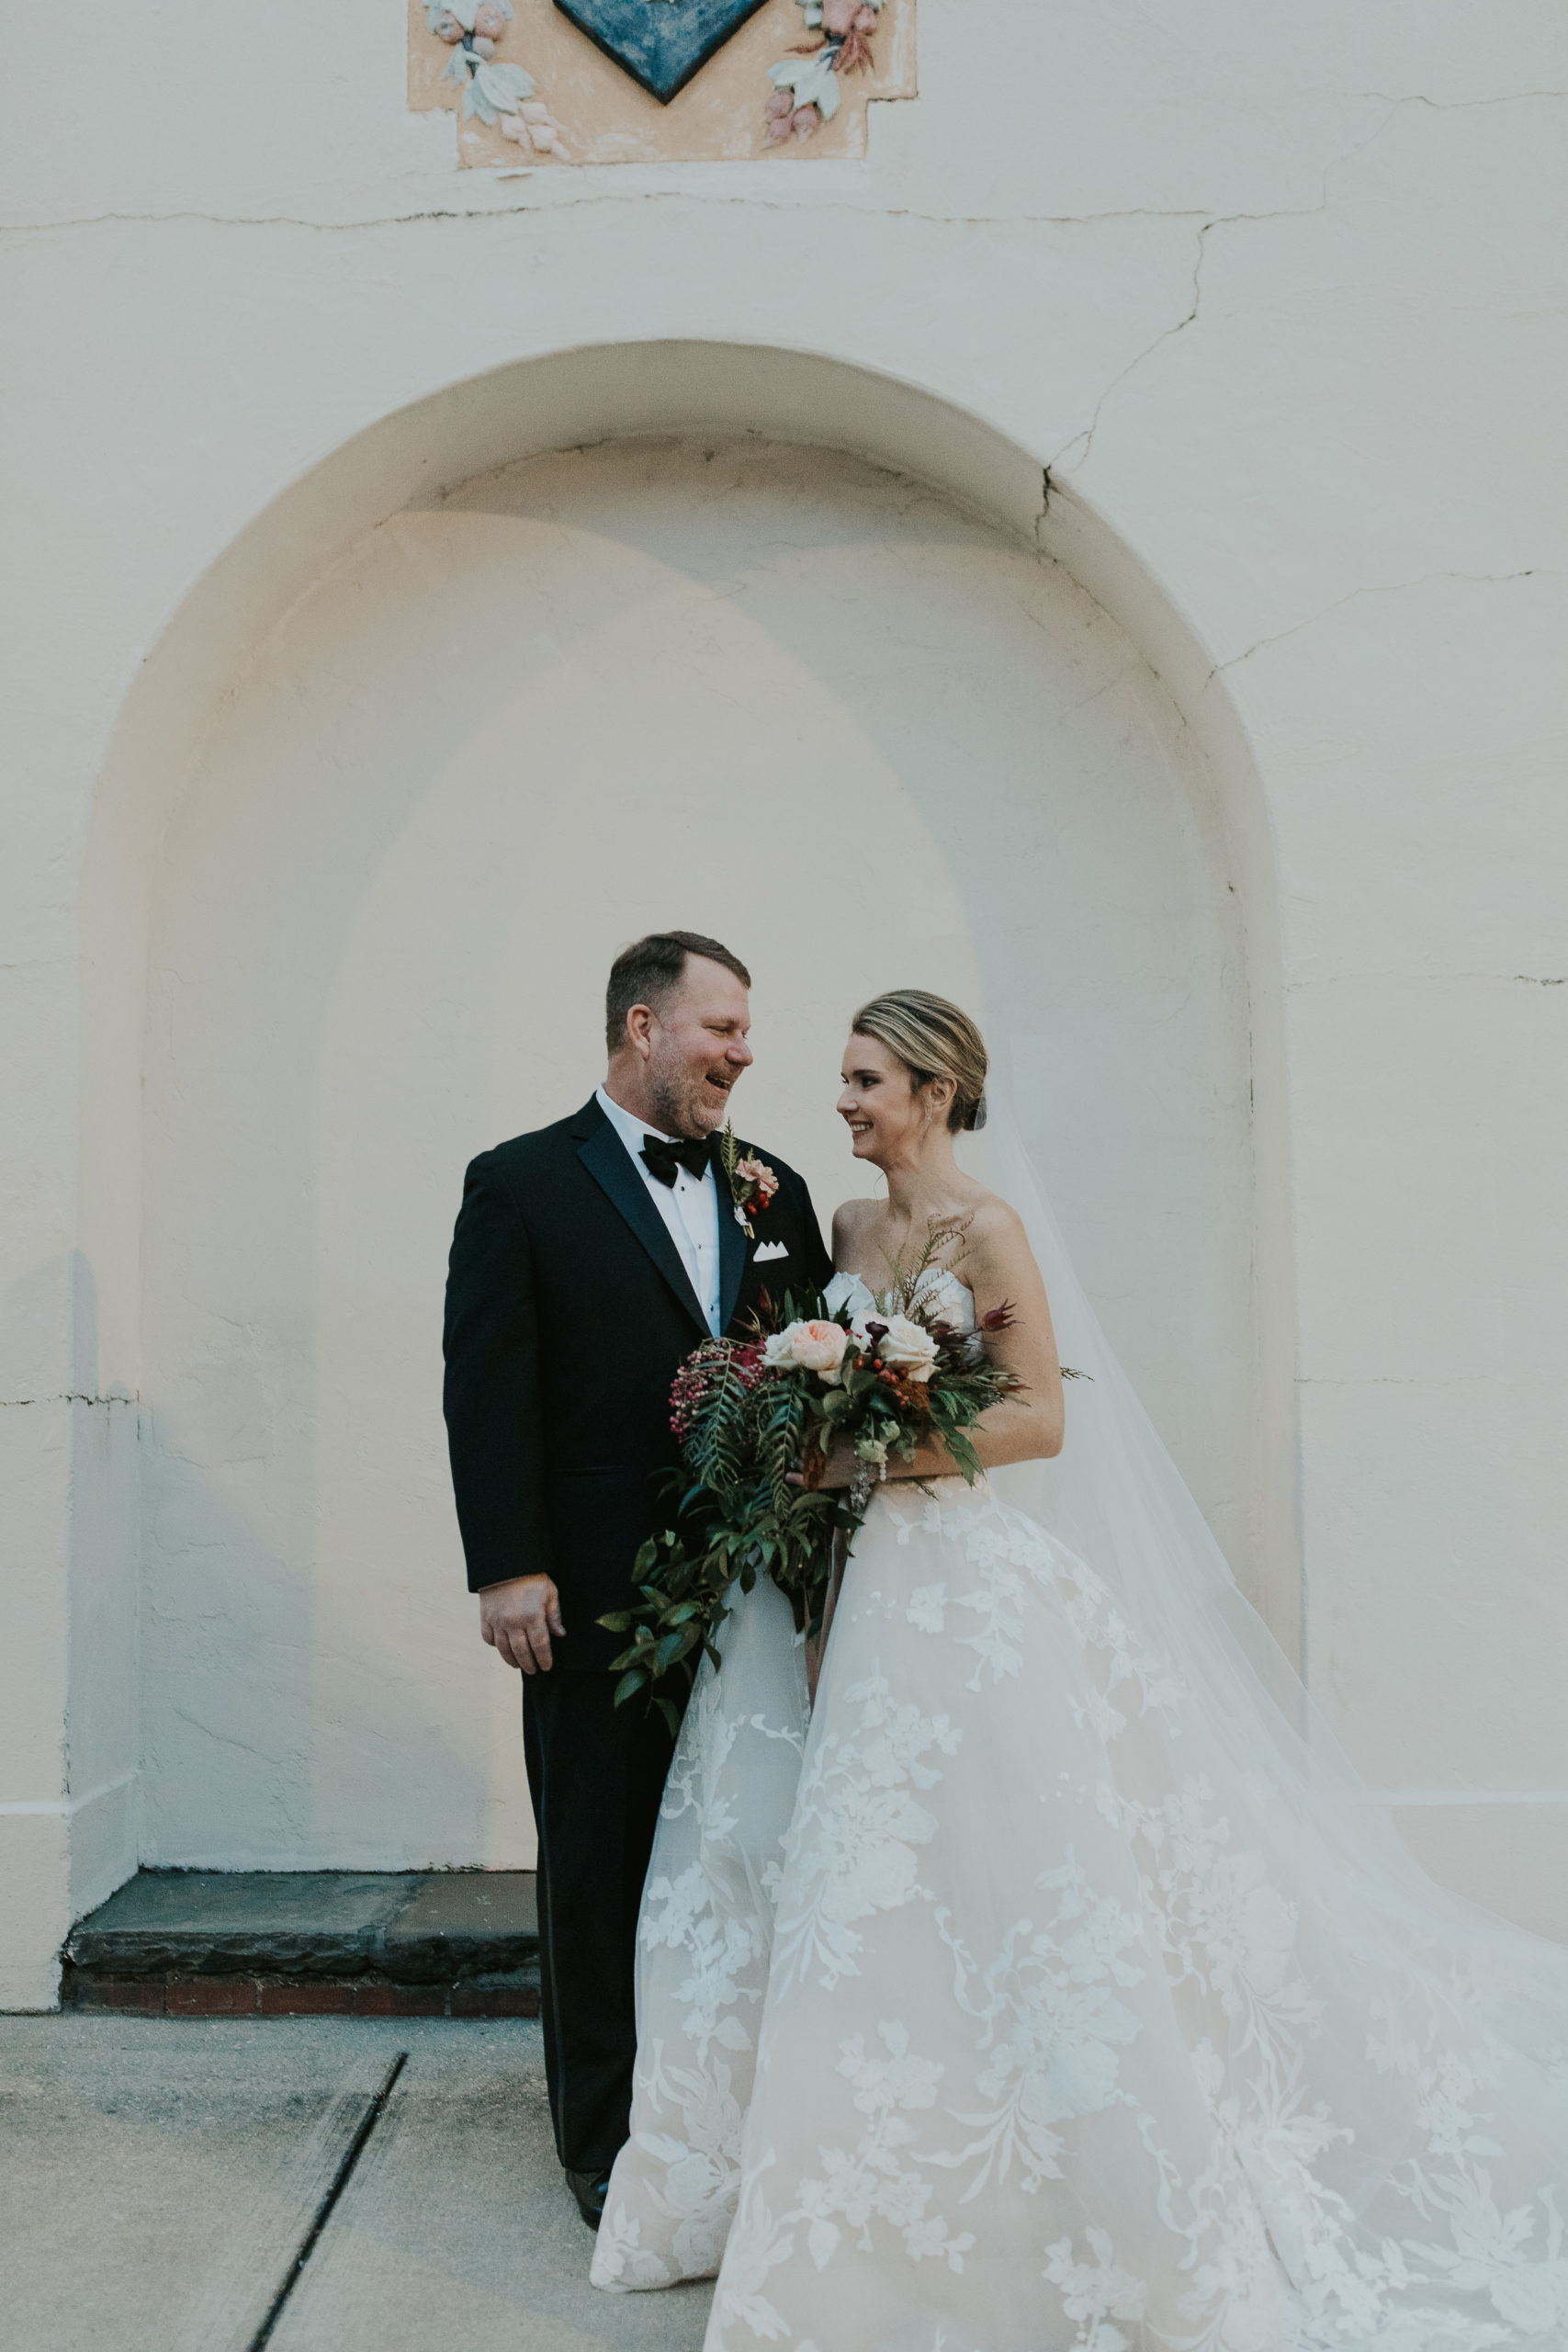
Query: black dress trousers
[[596, 1774]]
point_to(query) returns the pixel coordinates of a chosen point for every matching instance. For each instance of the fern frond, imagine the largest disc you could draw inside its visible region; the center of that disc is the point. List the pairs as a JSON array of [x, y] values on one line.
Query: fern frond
[[941, 1233]]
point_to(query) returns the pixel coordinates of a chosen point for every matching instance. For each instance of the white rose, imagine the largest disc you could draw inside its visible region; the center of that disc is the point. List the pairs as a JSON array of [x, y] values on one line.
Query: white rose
[[907, 1347], [809, 1347], [848, 1289]]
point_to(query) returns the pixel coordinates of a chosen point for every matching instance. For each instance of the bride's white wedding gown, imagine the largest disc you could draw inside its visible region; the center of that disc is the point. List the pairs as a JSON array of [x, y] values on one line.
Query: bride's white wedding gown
[[1020, 1997]]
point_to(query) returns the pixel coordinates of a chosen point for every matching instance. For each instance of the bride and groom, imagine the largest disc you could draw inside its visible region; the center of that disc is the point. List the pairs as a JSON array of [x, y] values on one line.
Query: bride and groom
[[1044, 1982]]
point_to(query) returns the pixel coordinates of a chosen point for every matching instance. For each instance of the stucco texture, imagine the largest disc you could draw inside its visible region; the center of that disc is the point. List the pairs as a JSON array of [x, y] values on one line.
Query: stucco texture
[[308, 746]]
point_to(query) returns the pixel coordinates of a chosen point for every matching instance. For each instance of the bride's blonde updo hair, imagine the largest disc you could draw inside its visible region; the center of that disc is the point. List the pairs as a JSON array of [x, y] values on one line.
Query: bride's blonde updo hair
[[932, 1039]]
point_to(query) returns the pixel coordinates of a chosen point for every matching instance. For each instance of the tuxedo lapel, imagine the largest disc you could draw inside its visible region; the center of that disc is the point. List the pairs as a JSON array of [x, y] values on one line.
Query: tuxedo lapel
[[608, 1161], [731, 1248]]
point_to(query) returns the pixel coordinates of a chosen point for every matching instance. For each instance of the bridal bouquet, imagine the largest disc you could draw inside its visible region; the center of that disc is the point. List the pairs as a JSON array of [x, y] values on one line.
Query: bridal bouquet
[[882, 1373]]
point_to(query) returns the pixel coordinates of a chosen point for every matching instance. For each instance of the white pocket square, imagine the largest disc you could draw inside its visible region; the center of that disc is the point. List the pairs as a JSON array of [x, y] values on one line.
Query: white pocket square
[[769, 1249]]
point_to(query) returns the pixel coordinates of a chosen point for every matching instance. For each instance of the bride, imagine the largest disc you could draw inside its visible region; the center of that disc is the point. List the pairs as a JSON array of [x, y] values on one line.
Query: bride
[[1049, 1986]]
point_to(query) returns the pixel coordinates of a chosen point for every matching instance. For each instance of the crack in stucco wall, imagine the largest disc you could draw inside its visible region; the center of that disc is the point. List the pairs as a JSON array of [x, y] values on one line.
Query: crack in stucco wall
[[1381, 588], [828, 195], [1320, 980], [1079, 447], [63, 1396]]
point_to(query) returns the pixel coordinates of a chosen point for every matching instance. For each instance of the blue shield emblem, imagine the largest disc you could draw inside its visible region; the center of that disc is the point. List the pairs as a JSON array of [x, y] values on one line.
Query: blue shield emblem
[[661, 43]]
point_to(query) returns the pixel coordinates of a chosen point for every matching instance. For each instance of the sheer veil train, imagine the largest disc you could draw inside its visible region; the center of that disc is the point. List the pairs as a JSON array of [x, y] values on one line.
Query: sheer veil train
[[1452, 2021], [1116, 1498]]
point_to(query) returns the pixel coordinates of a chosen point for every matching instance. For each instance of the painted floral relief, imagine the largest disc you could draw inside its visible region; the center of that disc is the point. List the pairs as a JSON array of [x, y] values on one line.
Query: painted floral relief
[[536, 83]]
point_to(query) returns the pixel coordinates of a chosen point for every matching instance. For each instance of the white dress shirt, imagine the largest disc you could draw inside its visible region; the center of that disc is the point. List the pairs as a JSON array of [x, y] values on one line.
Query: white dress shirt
[[689, 1206]]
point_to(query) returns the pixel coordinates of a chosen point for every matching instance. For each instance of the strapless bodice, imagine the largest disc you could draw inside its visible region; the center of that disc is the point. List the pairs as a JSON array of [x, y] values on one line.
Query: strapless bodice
[[939, 1294], [940, 1297]]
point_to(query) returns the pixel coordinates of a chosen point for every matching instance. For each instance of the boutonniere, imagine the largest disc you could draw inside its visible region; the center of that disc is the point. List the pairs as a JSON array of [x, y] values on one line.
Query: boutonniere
[[751, 1182]]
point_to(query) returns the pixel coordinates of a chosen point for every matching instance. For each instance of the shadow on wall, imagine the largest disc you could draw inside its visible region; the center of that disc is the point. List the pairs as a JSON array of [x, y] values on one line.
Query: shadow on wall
[[305, 1617]]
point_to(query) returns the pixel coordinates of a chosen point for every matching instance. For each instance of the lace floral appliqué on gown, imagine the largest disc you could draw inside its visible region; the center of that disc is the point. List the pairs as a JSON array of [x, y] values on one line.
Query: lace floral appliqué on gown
[[1017, 2004]]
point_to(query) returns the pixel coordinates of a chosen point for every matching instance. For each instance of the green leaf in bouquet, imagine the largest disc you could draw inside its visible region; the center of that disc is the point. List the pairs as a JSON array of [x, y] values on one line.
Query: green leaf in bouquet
[[630, 1683], [667, 1652], [963, 1455]]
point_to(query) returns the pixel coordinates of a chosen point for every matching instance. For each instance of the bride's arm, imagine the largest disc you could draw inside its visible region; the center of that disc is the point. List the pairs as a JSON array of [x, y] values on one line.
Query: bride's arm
[[999, 1266], [1001, 1272]]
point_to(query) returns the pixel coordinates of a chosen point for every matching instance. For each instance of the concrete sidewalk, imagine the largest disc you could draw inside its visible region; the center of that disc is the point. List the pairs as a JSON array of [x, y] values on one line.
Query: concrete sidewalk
[[159, 2178]]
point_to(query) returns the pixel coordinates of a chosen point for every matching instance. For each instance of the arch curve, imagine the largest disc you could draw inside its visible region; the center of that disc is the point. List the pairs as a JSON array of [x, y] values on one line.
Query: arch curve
[[420, 458]]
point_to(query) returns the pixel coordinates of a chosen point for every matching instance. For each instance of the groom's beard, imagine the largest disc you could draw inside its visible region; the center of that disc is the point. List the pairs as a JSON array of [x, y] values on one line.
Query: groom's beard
[[680, 1107]]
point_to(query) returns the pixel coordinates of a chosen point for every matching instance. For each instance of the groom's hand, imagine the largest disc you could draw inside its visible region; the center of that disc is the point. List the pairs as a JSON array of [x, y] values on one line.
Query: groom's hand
[[517, 1618]]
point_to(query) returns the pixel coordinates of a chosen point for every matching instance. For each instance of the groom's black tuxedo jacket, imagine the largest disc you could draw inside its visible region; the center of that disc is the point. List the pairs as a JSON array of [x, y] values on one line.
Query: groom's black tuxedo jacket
[[567, 1314]]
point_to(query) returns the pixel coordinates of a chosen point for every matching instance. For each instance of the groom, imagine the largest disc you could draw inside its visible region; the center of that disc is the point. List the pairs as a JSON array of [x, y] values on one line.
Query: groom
[[590, 1258]]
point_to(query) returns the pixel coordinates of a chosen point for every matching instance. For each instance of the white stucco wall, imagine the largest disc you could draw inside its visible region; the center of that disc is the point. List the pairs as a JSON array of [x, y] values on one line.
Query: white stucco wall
[[1279, 299], [772, 694]]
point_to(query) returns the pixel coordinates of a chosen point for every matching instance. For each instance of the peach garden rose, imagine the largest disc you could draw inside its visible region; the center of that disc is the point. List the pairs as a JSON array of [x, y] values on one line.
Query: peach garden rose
[[809, 1347]]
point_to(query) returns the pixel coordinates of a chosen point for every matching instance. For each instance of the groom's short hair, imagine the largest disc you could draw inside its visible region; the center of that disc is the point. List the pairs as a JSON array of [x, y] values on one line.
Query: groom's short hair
[[649, 970]]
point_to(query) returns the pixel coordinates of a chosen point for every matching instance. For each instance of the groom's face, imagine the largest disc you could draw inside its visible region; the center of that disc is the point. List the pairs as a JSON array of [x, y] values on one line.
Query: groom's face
[[697, 1050]]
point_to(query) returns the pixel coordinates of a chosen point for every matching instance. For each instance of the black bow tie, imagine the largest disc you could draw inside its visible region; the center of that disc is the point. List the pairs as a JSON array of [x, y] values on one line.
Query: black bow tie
[[664, 1159]]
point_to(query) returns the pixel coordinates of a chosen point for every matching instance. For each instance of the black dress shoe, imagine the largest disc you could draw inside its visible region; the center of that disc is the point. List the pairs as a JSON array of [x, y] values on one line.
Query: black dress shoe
[[590, 2188]]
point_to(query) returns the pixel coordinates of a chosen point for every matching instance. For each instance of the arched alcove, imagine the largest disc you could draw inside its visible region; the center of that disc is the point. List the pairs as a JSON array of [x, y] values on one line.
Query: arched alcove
[[739, 639]]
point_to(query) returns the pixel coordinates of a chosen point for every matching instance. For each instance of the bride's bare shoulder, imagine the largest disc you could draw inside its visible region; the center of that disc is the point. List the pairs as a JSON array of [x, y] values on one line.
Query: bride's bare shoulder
[[851, 1218], [993, 1225], [854, 1243]]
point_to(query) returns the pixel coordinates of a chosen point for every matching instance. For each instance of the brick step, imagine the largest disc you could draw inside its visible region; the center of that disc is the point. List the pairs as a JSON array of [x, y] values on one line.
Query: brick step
[[294, 1943]]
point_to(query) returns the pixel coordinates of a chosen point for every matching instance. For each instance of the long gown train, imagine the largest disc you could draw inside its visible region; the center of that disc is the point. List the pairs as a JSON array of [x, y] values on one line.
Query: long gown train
[[1007, 2034]]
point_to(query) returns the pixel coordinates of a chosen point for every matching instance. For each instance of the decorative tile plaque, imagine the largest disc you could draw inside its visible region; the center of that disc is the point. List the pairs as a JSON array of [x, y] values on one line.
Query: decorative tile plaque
[[661, 43], [552, 82]]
